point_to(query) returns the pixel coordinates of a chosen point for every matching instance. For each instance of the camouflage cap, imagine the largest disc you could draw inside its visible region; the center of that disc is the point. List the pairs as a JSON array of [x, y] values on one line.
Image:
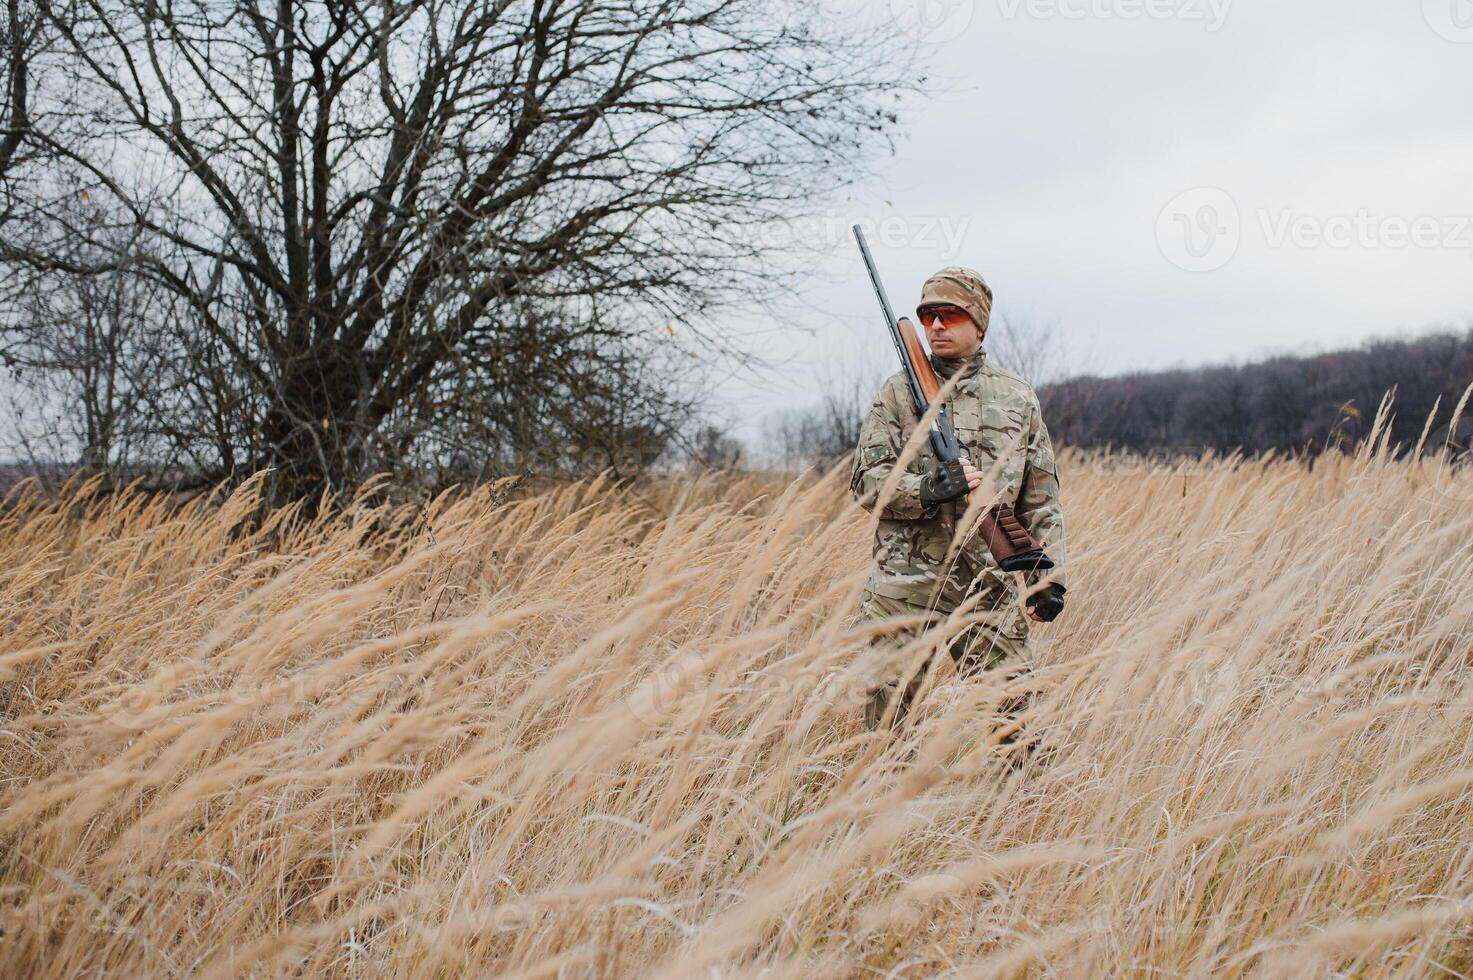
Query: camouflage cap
[[959, 286]]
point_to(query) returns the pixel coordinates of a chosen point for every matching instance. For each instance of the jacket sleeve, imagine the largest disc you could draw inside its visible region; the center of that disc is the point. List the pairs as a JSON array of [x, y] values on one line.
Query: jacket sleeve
[[880, 441], [1038, 506]]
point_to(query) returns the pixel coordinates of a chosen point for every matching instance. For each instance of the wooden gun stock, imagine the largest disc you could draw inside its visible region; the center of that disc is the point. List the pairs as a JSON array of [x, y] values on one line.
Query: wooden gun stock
[[1012, 547]]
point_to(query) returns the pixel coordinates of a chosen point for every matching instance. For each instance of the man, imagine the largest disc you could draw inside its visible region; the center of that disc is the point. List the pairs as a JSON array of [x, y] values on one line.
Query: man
[[999, 424]]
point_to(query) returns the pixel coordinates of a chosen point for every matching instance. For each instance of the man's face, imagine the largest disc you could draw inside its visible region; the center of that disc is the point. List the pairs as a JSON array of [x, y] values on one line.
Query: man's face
[[950, 331]]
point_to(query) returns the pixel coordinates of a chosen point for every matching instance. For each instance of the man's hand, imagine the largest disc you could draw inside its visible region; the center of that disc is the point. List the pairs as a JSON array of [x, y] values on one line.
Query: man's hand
[[1045, 605], [948, 481]]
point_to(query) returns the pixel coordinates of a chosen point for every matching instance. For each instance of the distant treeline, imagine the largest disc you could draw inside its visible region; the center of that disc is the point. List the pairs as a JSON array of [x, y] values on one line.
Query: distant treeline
[[1295, 404]]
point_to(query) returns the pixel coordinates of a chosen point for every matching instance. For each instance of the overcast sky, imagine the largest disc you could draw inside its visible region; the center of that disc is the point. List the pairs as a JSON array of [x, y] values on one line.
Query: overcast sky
[[1173, 181]]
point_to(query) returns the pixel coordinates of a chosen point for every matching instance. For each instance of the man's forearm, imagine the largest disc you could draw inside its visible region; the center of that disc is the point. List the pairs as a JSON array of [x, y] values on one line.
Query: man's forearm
[[1047, 528], [875, 459], [904, 500], [1039, 510], [1038, 505]]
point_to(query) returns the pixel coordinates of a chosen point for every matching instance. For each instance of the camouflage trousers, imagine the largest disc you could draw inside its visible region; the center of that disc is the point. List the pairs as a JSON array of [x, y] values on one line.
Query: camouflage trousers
[[976, 649]]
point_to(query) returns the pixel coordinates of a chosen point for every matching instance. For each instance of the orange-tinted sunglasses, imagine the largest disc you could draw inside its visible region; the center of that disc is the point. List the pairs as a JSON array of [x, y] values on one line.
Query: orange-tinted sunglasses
[[951, 316]]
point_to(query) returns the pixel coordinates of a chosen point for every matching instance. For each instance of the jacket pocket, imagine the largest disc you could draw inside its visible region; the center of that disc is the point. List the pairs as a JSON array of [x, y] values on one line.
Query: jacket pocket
[[993, 440]]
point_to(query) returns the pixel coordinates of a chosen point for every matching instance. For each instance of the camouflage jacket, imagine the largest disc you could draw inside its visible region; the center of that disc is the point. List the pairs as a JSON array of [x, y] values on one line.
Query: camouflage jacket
[[999, 424]]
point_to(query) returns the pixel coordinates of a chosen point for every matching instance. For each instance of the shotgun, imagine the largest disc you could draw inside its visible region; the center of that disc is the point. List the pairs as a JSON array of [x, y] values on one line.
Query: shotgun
[[1012, 547]]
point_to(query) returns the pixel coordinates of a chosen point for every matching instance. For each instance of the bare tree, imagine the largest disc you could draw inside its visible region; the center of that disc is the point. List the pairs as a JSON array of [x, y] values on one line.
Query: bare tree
[[714, 448], [827, 431], [1030, 345], [20, 37], [85, 360], [364, 215]]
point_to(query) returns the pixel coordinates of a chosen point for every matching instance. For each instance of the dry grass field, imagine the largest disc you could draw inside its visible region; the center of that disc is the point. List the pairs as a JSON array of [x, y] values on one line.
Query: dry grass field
[[595, 732]]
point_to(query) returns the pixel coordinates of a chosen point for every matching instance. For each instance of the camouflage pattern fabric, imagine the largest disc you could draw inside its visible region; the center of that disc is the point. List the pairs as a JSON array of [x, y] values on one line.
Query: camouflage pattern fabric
[[917, 568], [1000, 427], [957, 285], [974, 649]]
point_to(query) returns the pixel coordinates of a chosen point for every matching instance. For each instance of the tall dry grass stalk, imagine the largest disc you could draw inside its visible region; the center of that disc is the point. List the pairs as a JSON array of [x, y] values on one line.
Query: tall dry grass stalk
[[604, 731]]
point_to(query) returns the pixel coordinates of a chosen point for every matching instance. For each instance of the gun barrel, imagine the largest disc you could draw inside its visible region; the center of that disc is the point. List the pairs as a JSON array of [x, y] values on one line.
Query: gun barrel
[[1009, 542], [943, 437]]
